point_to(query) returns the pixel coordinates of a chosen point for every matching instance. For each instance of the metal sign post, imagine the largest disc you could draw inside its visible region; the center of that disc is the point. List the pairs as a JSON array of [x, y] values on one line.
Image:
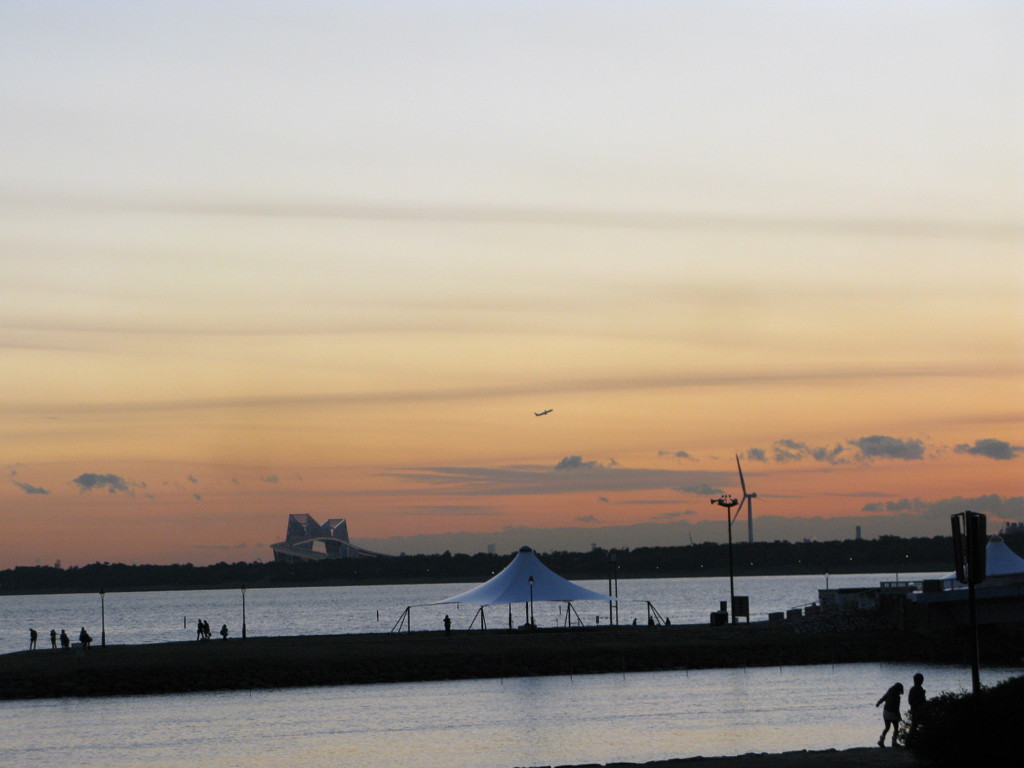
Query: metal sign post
[[969, 542]]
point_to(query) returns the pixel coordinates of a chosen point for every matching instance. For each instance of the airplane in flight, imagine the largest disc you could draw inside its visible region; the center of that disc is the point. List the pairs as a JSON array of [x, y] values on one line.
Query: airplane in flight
[[543, 413]]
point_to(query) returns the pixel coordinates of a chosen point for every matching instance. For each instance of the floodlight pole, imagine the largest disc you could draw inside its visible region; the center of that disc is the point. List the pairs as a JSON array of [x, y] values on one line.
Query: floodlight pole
[[727, 501], [613, 578], [530, 617]]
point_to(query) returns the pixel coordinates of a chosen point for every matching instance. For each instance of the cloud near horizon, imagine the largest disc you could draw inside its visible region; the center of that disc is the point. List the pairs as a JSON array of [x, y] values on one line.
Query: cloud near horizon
[[31, 489], [1005, 507], [875, 447], [90, 481], [679, 455], [575, 462], [991, 449]]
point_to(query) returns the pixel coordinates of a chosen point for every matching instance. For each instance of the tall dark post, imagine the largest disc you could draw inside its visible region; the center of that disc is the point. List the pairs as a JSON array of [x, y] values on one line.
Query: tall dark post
[[530, 622], [975, 653], [732, 591], [103, 618], [727, 501], [969, 542], [613, 588], [243, 611]]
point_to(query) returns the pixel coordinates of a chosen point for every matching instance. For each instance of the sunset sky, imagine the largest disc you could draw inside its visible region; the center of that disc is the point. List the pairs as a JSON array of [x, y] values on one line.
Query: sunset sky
[[330, 257]]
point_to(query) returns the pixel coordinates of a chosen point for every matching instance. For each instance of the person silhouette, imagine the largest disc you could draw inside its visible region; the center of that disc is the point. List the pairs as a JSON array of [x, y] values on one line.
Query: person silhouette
[[890, 712], [53, 639], [32, 637], [84, 638], [65, 641], [224, 631], [447, 625], [916, 699]]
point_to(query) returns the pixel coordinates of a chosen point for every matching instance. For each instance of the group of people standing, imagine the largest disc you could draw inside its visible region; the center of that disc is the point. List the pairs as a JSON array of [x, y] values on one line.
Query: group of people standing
[[65, 641], [203, 630], [891, 711]]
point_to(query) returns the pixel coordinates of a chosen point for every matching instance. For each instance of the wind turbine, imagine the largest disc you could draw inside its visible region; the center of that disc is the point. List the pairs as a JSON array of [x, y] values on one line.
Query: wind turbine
[[746, 500]]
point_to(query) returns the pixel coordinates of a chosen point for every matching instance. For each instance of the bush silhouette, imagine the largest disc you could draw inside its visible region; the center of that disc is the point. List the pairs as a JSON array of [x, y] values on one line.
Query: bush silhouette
[[967, 730]]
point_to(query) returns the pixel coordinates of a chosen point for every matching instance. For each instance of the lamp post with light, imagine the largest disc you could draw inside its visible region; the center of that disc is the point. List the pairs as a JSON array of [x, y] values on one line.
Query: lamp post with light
[[727, 501], [243, 611]]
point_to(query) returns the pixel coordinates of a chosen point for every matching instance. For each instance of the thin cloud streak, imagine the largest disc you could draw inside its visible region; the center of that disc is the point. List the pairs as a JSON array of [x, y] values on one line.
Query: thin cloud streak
[[518, 390], [532, 480], [460, 214]]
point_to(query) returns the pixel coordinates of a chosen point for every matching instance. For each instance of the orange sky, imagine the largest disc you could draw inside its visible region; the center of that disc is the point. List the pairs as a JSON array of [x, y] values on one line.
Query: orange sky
[[331, 259]]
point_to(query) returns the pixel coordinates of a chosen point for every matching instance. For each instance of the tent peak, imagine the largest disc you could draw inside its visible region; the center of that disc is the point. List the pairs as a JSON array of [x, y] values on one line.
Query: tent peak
[[525, 579]]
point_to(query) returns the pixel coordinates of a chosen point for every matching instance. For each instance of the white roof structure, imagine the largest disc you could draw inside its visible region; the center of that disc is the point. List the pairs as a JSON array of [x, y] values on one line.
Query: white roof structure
[[512, 585], [1000, 560]]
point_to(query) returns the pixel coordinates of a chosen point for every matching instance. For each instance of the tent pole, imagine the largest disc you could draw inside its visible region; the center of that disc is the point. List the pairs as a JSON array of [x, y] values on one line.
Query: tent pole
[[405, 617]]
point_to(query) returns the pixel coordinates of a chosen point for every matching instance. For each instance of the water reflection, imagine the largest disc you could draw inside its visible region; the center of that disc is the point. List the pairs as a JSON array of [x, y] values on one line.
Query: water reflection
[[472, 723]]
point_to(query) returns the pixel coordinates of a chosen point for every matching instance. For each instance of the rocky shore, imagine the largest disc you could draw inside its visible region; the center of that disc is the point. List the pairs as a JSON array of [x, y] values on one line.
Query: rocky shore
[[278, 662]]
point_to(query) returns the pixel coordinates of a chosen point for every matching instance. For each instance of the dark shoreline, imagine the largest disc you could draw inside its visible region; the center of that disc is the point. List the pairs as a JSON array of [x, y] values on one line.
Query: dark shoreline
[[280, 662], [859, 757], [711, 572]]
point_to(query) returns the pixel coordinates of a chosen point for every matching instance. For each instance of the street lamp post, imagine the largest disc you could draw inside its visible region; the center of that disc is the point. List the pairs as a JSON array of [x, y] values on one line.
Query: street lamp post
[[531, 603], [243, 611], [727, 501], [103, 618], [613, 588]]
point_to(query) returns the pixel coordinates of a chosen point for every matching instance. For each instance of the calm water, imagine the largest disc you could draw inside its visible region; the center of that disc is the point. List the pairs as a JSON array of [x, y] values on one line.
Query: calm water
[[461, 724], [471, 723], [152, 617]]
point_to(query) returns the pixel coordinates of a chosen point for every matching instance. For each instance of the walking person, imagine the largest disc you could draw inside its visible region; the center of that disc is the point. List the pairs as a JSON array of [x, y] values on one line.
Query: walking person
[[890, 712], [447, 626], [32, 637], [53, 639], [916, 698], [65, 641]]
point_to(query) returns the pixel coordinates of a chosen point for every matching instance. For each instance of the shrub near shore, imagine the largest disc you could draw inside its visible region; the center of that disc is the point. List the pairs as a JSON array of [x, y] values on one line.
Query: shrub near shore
[[966, 730]]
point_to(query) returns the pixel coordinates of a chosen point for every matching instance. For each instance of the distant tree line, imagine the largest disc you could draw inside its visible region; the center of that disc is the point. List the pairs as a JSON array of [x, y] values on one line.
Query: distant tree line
[[885, 555]]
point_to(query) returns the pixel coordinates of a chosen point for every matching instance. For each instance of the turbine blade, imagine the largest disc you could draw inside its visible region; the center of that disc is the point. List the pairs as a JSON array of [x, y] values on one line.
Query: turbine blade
[[739, 506], [743, 483]]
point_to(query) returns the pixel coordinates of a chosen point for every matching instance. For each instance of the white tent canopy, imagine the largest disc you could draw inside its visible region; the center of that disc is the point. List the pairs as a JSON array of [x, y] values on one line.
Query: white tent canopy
[[512, 585], [1000, 560]]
